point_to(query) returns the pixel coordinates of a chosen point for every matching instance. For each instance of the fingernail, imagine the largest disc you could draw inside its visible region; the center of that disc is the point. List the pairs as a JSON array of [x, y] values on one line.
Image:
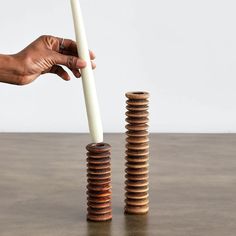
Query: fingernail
[[81, 63]]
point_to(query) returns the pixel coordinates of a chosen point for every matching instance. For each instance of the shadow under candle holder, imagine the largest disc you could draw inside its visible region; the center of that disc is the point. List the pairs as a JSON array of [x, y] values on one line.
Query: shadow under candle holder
[[136, 225], [99, 228]]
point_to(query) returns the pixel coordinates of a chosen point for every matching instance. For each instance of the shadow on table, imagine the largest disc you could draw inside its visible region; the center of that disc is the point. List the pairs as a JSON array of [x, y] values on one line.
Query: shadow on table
[[136, 225], [99, 228]]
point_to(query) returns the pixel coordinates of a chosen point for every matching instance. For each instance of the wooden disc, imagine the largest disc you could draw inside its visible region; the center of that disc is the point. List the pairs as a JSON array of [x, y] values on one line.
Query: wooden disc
[[137, 140], [137, 127], [99, 205], [135, 189], [92, 193], [99, 199], [136, 209], [136, 195], [99, 176], [136, 159], [137, 153], [139, 120], [137, 147], [94, 217], [98, 155], [99, 188], [99, 171], [138, 165], [98, 147], [137, 95], [98, 161], [99, 166], [99, 211], [99, 181], [137, 202], [140, 102], [136, 177], [137, 133], [139, 171], [136, 183], [137, 108], [137, 114]]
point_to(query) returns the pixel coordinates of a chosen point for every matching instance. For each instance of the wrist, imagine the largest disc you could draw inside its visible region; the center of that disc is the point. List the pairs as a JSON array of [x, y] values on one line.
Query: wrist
[[10, 69]]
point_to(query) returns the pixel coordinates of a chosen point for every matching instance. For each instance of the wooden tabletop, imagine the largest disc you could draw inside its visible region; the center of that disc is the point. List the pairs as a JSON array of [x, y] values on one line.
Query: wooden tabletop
[[192, 186]]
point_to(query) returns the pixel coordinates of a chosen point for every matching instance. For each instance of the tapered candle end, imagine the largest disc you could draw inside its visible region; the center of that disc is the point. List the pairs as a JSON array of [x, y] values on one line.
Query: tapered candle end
[[97, 138]]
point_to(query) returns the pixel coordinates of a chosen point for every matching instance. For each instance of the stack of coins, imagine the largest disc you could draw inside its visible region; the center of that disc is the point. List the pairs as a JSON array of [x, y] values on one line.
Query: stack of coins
[[99, 182], [137, 152]]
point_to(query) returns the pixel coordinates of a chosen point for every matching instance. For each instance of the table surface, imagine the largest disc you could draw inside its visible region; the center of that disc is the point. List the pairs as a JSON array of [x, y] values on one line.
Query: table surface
[[192, 186]]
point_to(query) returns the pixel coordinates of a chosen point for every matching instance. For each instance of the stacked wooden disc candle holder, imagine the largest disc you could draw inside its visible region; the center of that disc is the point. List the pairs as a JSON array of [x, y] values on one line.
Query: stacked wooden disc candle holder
[[99, 182], [137, 151]]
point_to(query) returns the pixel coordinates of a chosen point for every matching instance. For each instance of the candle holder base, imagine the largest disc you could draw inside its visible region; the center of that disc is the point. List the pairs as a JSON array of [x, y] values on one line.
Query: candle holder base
[[99, 182]]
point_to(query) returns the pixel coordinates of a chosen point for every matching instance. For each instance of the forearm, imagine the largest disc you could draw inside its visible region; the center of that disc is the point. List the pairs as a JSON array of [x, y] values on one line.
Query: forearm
[[9, 69]]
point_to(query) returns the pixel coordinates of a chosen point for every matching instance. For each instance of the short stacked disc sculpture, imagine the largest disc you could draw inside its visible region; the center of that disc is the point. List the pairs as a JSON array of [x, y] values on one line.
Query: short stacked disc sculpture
[[137, 152], [99, 182]]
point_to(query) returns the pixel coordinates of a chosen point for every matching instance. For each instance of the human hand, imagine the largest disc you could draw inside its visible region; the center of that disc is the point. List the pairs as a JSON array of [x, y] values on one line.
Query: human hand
[[46, 55]]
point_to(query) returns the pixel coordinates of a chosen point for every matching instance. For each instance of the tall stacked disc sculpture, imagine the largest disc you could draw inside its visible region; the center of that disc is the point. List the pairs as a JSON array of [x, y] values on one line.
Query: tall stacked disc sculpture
[[137, 153]]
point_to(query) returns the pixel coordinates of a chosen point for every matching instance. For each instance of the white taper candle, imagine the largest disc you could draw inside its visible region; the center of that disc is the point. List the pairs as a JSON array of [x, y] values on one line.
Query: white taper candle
[[90, 94]]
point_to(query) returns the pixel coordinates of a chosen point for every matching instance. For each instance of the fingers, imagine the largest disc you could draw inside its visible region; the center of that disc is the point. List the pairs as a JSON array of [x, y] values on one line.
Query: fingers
[[92, 55], [70, 61], [69, 47], [73, 63], [76, 73], [58, 70], [93, 65]]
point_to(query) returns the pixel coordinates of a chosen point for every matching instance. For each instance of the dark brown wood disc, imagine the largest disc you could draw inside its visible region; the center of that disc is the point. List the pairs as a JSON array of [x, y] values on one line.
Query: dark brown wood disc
[[136, 177], [99, 199], [137, 114], [98, 176], [98, 147], [140, 102], [99, 188], [98, 155], [99, 166], [137, 133], [137, 108], [139, 120], [99, 193], [139, 146], [137, 153], [138, 165], [137, 127], [99, 205]]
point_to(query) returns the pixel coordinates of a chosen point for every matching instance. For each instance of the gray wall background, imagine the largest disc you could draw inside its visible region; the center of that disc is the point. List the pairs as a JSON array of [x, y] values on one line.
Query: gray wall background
[[182, 52]]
